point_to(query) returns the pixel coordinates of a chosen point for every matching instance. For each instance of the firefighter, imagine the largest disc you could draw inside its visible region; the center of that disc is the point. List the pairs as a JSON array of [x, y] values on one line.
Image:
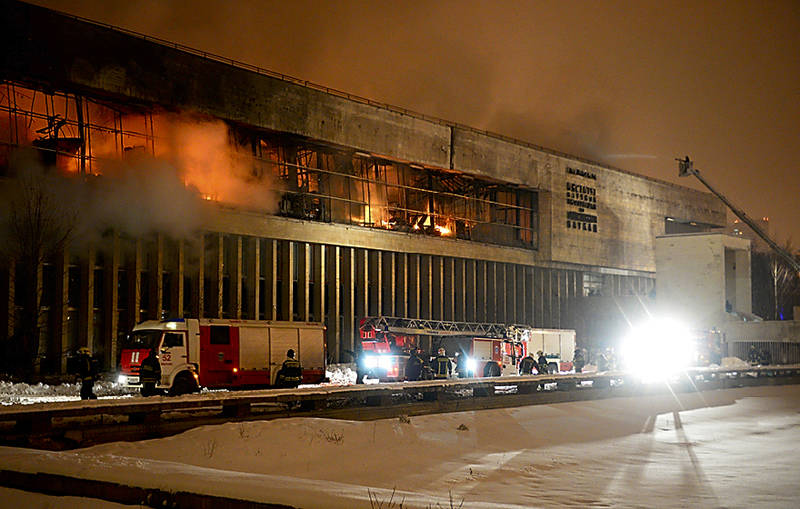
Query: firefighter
[[526, 365], [414, 366], [86, 373], [752, 356], [441, 365], [461, 365], [150, 374], [291, 372], [541, 363], [578, 361]]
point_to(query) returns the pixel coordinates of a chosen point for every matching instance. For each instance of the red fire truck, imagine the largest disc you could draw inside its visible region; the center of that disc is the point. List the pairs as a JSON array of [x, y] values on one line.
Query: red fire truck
[[217, 353], [492, 349]]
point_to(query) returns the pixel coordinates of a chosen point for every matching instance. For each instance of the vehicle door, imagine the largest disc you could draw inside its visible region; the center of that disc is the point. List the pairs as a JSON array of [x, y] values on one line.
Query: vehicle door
[[172, 354]]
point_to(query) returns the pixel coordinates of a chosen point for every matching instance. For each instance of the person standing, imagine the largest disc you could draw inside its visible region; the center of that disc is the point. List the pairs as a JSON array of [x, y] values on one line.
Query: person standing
[[442, 368], [86, 373], [541, 363], [527, 364], [150, 374], [578, 361], [291, 372], [461, 365], [414, 366]]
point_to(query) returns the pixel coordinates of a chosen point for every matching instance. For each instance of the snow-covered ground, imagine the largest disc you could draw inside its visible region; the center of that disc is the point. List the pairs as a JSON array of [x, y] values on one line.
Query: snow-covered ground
[[728, 448]]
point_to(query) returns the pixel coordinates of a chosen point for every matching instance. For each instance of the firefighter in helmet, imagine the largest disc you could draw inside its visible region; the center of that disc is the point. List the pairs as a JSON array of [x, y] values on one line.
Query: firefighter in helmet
[[441, 365], [86, 373], [150, 374], [414, 366], [578, 360], [527, 364], [541, 363], [291, 372]]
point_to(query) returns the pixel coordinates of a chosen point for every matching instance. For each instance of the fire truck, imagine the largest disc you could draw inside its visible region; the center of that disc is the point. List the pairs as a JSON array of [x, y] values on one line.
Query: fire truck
[[218, 353], [491, 349]]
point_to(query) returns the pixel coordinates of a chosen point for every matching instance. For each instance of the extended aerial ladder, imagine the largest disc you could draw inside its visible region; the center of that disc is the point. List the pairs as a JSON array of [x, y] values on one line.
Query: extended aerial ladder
[[686, 168]]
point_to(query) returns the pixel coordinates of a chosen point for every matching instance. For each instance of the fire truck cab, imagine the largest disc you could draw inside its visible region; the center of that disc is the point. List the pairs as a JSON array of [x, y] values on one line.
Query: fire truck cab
[[217, 353]]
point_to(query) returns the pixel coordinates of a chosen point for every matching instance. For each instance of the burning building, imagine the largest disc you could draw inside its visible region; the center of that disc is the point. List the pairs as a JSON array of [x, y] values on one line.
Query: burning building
[[216, 189]]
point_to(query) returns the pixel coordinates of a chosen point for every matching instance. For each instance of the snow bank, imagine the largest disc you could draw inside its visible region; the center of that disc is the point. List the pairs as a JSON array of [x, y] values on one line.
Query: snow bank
[[25, 394], [690, 450]]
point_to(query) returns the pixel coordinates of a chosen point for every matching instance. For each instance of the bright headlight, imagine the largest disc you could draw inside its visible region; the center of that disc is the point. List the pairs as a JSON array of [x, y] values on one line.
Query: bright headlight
[[370, 361], [122, 380], [385, 362], [471, 365], [658, 349]]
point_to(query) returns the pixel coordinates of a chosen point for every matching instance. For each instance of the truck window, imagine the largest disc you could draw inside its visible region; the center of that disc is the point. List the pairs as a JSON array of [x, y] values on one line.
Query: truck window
[[141, 339], [219, 335], [173, 339]]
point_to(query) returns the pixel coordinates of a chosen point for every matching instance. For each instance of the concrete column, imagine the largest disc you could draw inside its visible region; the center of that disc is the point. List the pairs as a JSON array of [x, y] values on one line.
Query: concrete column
[[154, 271], [471, 290], [287, 280], [318, 299], [426, 286], [520, 293], [60, 307], [86, 310], [178, 275], [481, 311], [198, 298], [333, 294], [448, 288], [303, 281], [413, 285], [501, 292], [387, 282], [271, 279], [362, 282], [547, 282], [491, 292], [460, 290], [135, 265], [218, 294], [437, 268], [349, 324], [539, 297], [235, 274], [253, 276], [112, 301], [530, 299], [401, 279], [7, 295], [375, 288]]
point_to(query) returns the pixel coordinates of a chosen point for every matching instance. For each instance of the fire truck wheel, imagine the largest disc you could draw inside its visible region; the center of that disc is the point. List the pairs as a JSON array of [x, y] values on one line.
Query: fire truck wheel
[[184, 384]]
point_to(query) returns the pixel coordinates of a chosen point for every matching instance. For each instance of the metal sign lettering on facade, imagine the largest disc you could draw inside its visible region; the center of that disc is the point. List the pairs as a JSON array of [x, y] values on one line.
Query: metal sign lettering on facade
[[581, 198]]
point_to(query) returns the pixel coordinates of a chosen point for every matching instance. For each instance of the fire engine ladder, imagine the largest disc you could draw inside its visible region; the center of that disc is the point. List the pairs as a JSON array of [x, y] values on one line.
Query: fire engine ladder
[[435, 327]]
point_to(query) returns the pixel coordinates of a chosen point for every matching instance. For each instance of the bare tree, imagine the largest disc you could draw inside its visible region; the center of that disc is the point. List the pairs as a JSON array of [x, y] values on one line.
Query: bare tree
[[785, 281], [39, 222]]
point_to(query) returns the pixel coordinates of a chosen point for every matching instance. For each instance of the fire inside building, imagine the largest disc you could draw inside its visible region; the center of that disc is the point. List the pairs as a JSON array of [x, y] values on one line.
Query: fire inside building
[[299, 203]]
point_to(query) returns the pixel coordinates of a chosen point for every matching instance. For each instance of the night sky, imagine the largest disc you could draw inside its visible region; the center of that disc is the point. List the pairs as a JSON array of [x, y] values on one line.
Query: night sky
[[632, 84]]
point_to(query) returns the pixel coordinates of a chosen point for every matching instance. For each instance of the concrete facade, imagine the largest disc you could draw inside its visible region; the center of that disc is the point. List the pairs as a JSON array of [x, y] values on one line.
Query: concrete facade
[[596, 225], [699, 276]]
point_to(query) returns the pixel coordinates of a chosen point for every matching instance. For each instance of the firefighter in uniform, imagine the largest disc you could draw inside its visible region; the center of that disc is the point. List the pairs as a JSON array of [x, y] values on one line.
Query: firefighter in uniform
[[526, 365], [578, 361], [150, 374], [291, 372], [86, 373], [414, 366], [441, 365], [541, 363]]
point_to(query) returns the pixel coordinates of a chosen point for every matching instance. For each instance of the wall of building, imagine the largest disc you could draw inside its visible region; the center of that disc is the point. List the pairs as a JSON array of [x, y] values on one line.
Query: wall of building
[[695, 276], [44, 46]]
